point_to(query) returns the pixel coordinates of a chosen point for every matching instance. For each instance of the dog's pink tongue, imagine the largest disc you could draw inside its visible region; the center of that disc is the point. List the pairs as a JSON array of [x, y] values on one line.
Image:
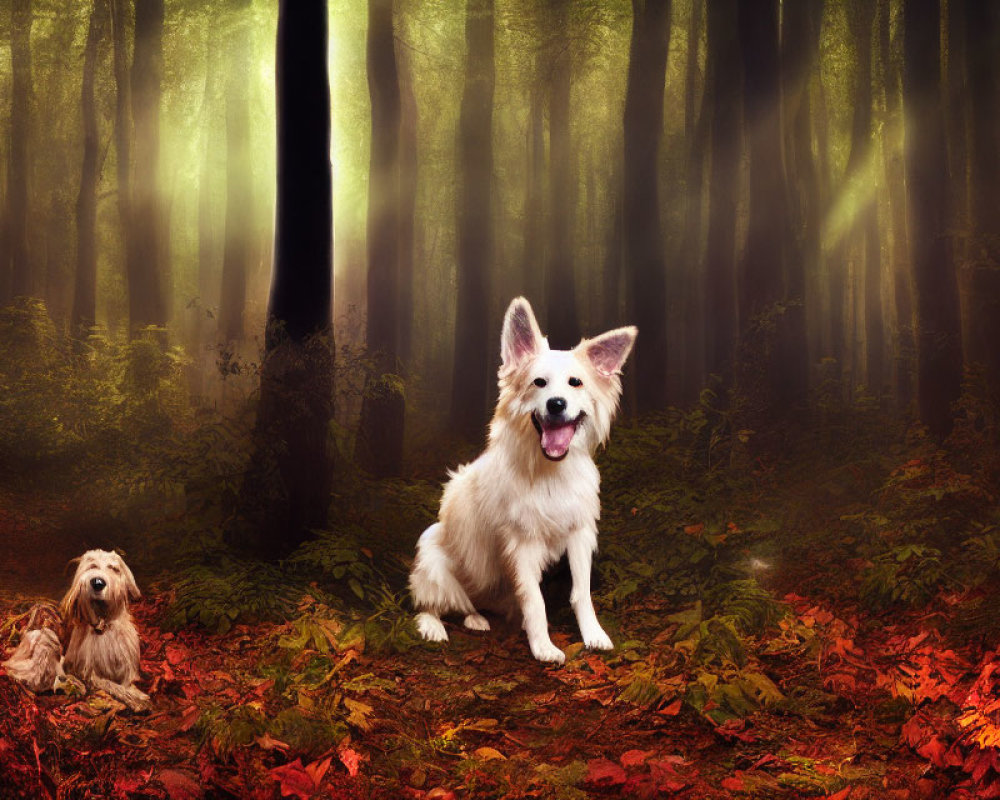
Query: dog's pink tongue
[[556, 439]]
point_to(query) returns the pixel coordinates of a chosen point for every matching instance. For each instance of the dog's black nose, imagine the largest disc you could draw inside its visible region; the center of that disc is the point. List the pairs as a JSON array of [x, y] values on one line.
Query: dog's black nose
[[555, 405], [98, 584]]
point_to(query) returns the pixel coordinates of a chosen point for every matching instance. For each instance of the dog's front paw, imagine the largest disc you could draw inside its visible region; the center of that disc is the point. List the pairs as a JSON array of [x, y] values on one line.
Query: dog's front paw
[[476, 622], [597, 640], [138, 701], [546, 651], [431, 627]]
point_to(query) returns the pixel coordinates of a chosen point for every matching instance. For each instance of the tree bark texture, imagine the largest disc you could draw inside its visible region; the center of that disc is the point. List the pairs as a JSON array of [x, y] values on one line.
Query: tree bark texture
[[720, 255], [939, 347], [239, 225], [147, 297], [84, 312], [983, 43], [474, 354], [18, 166], [644, 247], [380, 432], [562, 316], [287, 491]]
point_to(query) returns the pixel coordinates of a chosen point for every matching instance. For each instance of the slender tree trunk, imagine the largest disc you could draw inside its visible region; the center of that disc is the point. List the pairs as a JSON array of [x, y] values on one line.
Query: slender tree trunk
[[696, 119], [800, 51], [18, 165], [902, 278], [644, 249], [123, 128], [858, 185], [984, 129], [147, 299], [562, 316], [939, 346], [407, 202], [85, 284], [473, 354], [720, 256], [380, 434], [240, 224], [611, 269], [534, 259], [287, 491]]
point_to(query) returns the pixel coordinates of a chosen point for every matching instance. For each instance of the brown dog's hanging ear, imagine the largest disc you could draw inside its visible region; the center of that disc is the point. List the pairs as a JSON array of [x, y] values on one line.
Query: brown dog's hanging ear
[[130, 585], [608, 351], [521, 338]]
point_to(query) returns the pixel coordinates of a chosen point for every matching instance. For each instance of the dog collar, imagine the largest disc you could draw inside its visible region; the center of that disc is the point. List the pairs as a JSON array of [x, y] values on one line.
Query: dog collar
[[99, 627]]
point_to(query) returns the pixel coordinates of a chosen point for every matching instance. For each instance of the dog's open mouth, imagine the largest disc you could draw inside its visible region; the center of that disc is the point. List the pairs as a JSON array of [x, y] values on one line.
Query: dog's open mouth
[[555, 434]]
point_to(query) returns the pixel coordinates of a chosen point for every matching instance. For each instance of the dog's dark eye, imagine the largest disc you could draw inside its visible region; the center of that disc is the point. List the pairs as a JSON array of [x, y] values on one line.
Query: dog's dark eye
[[540, 382], [575, 382]]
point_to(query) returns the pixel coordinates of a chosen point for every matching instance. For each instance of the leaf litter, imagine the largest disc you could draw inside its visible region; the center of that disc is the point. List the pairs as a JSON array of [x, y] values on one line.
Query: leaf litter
[[786, 633]]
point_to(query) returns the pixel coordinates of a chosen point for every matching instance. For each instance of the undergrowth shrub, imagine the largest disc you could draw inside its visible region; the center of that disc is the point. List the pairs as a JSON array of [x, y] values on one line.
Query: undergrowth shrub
[[68, 403]]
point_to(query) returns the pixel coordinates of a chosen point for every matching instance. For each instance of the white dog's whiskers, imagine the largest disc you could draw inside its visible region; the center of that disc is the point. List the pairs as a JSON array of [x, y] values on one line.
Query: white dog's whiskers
[[102, 646]]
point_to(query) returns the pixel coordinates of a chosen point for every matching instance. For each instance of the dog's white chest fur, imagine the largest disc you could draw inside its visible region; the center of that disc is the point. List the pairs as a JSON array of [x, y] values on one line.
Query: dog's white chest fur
[[532, 496]]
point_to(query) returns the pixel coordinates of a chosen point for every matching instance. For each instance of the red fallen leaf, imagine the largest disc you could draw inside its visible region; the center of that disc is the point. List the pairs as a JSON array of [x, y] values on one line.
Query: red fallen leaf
[[176, 655], [189, 718], [634, 758], [351, 759], [318, 769], [734, 784], [180, 785], [694, 530], [603, 772], [843, 794], [294, 780], [673, 709]]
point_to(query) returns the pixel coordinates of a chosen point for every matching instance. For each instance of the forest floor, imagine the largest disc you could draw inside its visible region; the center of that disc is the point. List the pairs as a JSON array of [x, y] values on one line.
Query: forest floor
[[785, 627]]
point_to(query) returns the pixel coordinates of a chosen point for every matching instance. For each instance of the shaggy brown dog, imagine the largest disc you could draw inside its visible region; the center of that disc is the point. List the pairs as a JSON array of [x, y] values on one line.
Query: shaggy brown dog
[[103, 644]]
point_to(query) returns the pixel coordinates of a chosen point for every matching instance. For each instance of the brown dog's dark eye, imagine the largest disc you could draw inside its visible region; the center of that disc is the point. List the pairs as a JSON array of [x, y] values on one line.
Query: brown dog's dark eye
[[575, 382], [540, 382]]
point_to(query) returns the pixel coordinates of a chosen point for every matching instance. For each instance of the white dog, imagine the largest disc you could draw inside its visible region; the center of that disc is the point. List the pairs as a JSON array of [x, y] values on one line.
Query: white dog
[[532, 495], [103, 644]]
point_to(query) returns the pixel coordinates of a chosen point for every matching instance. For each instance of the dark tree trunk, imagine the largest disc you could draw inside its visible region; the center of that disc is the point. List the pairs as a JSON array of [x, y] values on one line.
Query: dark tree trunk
[[939, 347], [765, 380], [240, 224], [983, 43], [85, 285], [720, 255], [18, 165], [696, 119], [562, 317], [644, 256], [902, 277], [380, 433], [474, 357], [147, 299], [286, 493], [800, 50], [955, 84]]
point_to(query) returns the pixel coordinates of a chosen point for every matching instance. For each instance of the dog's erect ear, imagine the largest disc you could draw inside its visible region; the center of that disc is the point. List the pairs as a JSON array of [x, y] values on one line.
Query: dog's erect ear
[[608, 351], [521, 336]]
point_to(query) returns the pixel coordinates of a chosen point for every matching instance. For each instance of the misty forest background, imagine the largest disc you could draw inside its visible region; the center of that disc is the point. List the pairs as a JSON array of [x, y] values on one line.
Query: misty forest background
[[254, 386]]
